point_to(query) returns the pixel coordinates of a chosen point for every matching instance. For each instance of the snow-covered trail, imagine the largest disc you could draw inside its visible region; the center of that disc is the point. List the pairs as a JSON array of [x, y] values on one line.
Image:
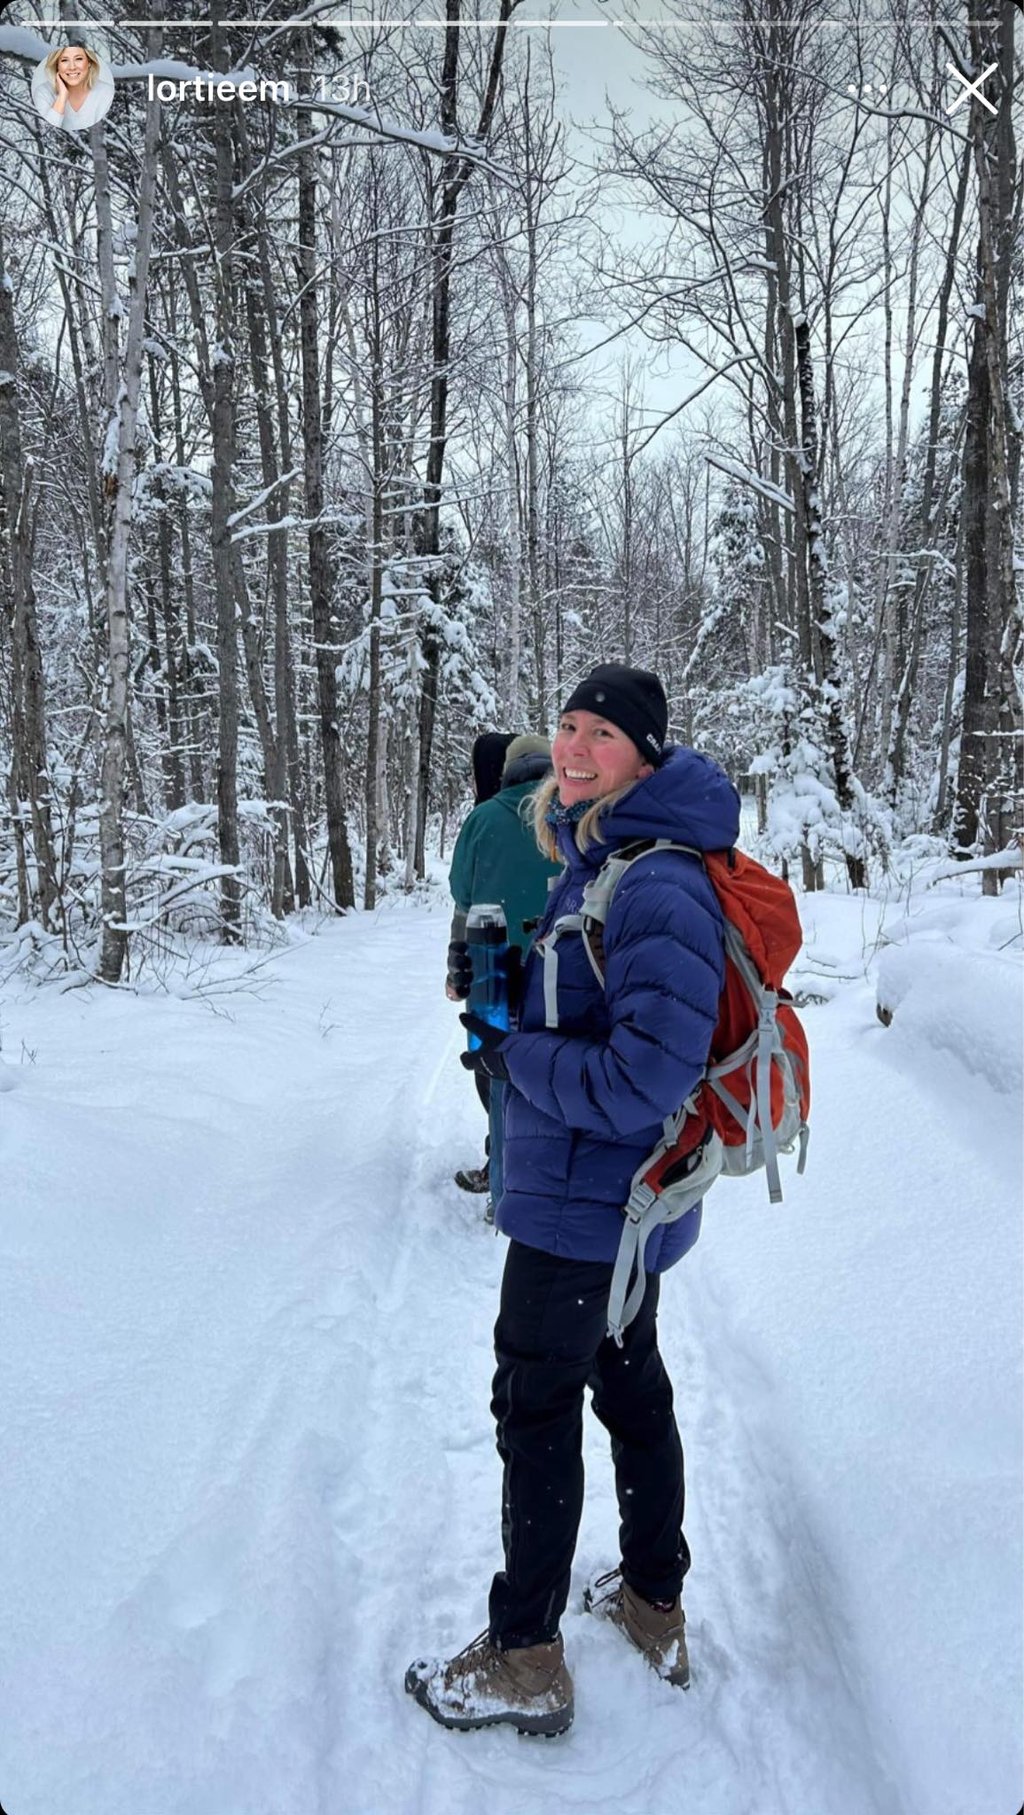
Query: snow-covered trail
[[249, 1466]]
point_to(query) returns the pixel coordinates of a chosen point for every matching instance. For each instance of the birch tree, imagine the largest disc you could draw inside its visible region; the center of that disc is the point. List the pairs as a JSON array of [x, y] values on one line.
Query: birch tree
[[122, 443]]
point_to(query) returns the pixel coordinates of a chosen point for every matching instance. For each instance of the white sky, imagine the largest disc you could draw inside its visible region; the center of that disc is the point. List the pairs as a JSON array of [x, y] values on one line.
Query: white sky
[[597, 64]]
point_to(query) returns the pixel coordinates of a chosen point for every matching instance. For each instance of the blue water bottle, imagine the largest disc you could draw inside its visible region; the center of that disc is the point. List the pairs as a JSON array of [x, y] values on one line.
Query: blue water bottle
[[487, 939]]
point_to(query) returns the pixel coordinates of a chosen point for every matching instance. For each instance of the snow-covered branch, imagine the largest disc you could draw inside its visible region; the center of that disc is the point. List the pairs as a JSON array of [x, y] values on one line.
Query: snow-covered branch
[[254, 503], [753, 480], [1010, 859]]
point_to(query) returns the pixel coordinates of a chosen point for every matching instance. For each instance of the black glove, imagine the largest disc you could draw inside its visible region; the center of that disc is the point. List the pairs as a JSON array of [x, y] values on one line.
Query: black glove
[[488, 1057], [460, 968]]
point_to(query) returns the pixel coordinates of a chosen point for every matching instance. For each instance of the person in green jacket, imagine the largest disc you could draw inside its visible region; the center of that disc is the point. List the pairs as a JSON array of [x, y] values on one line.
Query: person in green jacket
[[496, 859]]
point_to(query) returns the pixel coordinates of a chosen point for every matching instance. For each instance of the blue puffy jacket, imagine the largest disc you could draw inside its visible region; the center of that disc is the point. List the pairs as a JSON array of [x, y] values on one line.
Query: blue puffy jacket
[[587, 1103]]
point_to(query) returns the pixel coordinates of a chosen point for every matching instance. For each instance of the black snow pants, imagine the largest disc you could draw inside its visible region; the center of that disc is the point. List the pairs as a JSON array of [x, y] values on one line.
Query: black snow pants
[[550, 1342]]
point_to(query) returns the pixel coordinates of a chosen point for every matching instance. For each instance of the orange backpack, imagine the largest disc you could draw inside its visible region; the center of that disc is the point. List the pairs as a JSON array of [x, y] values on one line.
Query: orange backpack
[[754, 1098]]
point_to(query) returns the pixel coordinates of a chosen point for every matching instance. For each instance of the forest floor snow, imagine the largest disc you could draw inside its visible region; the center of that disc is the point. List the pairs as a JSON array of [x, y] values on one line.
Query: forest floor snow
[[247, 1459]]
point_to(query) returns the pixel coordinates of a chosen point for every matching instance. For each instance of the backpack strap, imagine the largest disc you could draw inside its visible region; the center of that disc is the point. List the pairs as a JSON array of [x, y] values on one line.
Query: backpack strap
[[548, 949], [597, 895], [589, 922], [762, 1047], [646, 1209]]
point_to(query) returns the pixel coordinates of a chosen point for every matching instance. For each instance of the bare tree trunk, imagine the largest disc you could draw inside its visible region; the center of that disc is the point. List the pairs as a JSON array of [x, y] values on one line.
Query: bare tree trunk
[[989, 783], [285, 703], [253, 653], [949, 692], [30, 774], [222, 385], [972, 772], [930, 508], [513, 510], [162, 585], [193, 707], [821, 617], [532, 198], [114, 942], [999, 205], [455, 173], [412, 771], [769, 515], [790, 376], [369, 430], [625, 558], [886, 605], [198, 723], [319, 569], [273, 740], [783, 297], [899, 626], [373, 736]]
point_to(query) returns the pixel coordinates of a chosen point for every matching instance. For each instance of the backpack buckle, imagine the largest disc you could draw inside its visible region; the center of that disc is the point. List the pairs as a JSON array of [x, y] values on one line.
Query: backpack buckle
[[639, 1201], [769, 1009]]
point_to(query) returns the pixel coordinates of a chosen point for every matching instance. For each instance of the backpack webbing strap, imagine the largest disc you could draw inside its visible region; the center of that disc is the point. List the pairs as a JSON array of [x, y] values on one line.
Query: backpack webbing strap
[[644, 1211], [767, 1043], [736, 947], [597, 896], [759, 1049], [548, 949], [623, 1305]]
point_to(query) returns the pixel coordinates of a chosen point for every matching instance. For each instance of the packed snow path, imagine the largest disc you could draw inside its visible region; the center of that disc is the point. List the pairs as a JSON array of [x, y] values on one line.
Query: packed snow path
[[248, 1462]]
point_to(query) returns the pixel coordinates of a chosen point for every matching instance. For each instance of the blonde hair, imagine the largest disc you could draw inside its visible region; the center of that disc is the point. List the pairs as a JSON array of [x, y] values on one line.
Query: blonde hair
[[588, 829], [91, 58]]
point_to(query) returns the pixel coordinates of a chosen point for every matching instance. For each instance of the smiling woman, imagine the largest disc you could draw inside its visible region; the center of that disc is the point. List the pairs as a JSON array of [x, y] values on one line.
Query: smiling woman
[[71, 88], [591, 1070]]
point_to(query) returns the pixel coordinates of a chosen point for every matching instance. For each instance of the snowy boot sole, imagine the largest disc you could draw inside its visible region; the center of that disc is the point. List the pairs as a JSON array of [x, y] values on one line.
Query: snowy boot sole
[[546, 1725]]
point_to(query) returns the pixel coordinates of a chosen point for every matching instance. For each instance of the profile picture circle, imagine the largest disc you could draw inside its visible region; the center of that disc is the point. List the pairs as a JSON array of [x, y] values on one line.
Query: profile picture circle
[[72, 88]]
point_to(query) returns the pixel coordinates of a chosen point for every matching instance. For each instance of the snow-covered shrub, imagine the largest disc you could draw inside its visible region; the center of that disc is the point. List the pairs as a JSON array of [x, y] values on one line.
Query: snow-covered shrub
[[774, 727]]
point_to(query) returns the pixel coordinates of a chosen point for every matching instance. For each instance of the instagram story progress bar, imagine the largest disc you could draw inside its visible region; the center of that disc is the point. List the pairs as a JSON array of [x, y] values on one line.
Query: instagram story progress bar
[[515, 23]]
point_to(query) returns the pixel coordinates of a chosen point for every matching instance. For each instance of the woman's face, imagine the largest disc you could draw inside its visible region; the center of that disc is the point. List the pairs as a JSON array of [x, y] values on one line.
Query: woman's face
[[72, 67], [592, 757]]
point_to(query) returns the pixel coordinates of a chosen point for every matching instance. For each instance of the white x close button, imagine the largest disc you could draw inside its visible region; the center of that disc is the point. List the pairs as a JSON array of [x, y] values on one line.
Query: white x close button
[[972, 88]]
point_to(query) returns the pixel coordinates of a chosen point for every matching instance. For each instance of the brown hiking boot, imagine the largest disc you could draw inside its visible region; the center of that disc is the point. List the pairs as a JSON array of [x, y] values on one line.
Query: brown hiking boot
[[659, 1632], [529, 1689]]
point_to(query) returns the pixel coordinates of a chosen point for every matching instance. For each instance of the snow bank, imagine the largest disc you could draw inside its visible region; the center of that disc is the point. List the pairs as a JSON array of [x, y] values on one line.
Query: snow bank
[[949, 980], [970, 1009]]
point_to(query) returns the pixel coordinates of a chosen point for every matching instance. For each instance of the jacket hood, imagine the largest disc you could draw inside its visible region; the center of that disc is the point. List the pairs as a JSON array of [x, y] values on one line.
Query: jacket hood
[[533, 766], [488, 761], [688, 798]]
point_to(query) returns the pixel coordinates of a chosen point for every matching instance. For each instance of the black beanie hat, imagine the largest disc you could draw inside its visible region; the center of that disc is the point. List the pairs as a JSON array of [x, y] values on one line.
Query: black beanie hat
[[631, 698]]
